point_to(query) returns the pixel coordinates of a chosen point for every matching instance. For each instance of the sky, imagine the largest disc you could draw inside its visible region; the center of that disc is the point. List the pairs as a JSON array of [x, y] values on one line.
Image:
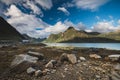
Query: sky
[[40, 18]]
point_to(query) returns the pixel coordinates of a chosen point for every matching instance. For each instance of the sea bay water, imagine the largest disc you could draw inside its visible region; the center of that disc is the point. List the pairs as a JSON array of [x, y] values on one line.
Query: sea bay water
[[112, 46]]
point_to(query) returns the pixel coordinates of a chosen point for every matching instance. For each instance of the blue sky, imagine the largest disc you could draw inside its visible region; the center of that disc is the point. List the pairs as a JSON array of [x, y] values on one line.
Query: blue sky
[[40, 18]]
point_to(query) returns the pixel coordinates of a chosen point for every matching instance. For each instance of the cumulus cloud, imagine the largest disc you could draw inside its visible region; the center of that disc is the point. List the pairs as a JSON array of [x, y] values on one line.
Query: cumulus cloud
[[8, 2], [24, 23], [63, 9], [97, 17], [33, 7], [57, 28], [119, 21], [89, 4], [46, 4], [105, 26], [78, 26]]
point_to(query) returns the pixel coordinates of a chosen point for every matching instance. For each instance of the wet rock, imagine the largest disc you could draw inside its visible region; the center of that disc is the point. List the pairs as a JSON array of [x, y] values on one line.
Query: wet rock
[[23, 57], [95, 56], [38, 73], [82, 58], [30, 70], [115, 57], [36, 54], [72, 58], [51, 64]]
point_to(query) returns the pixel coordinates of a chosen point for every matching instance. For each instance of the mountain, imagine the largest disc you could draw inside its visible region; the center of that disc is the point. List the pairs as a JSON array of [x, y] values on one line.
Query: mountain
[[8, 32], [72, 35]]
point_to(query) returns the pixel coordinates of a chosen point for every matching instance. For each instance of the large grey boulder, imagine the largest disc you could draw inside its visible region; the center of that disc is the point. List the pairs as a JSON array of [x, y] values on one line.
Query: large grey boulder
[[68, 57], [117, 66], [72, 58], [115, 57], [36, 54], [23, 58]]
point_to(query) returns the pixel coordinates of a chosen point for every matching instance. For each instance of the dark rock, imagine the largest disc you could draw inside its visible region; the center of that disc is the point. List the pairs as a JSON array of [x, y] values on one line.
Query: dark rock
[[36, 54]]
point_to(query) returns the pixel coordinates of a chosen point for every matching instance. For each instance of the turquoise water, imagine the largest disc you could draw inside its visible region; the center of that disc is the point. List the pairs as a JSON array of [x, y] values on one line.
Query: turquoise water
[[113, 46]]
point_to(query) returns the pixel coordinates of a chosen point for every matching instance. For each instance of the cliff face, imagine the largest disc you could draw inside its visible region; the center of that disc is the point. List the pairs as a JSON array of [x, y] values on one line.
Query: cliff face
[[8, 32]]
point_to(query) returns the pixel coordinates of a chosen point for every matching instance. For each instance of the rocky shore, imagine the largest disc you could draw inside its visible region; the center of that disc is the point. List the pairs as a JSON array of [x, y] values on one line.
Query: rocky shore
[[38, 62]]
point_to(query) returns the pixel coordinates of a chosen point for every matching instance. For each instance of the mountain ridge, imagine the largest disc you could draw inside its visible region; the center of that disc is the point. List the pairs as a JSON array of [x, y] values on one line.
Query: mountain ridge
[[8, 32], [72, 35]]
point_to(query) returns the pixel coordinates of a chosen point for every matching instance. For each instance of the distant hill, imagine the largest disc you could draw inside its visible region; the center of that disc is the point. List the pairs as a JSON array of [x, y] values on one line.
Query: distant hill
[[8, 32], [72, 35]]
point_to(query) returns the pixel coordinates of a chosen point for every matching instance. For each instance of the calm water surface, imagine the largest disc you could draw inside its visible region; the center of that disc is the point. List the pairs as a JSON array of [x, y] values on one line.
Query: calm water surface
[[113, 46]]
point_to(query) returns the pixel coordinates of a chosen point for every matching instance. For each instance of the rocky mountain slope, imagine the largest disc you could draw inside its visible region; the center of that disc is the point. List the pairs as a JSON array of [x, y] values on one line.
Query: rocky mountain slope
[[8, 32], [72, 35]]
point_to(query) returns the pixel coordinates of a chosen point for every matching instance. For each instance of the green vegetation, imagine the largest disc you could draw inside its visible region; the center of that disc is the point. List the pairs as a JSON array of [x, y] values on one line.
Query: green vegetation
[[72, 35]]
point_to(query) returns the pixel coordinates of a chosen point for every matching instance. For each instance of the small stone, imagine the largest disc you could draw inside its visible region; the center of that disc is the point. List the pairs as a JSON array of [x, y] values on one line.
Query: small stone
[[38, 73], [82, 59], [97, 76], [51, 64], [46, 71], [95, 56], [78, 61], [53, 71], [30, 70]]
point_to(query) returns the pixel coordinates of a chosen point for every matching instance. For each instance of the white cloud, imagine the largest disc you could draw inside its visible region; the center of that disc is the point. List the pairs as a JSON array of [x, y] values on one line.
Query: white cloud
[[89, 4], [111, 17], [119, 21], [25, 23], [63, 9], [57, 28], [105, 26], [78, 26], [8, 2], [33, 7], [97, 17], [46, 4]]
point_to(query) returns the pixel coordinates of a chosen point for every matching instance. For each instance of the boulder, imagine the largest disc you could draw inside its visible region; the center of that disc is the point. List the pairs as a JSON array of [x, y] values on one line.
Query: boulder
[[72, 58], [63, 57], [36, 54], [82, 58], [38, 73], [30, 70], [22, 58], [68, 57], [115, 75], [115, 57], [117, 67], [51, 64], [95, 56]]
